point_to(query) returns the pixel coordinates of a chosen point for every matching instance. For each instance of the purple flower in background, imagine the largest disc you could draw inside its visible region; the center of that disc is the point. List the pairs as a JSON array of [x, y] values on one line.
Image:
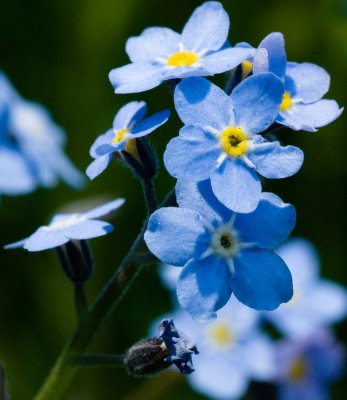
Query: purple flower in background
[[66, 227], [316, 302], [305, 368], [160, 54]]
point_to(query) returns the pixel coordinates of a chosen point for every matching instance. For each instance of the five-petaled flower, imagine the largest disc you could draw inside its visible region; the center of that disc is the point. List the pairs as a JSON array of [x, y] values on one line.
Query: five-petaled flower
[[160, 54], [66, 227], [129, 124], [221, 139], [223, 252]]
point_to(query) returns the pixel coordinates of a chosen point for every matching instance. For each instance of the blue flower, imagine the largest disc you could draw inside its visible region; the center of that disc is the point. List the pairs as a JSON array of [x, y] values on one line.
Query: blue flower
[[66, 227], [221, 140], [233, 351], [316, 302], [306, 367], [223, 252], [31, 145], [159, 54], [128, 125], [302, 107]]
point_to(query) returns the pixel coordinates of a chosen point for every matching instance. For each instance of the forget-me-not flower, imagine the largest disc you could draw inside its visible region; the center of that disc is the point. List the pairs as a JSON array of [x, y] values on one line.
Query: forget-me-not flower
[[223, 252], [221, 140], [316, 302], [160, 54], [307, 367], [302, 106], [66, 227], [129, 124], [31, 146]]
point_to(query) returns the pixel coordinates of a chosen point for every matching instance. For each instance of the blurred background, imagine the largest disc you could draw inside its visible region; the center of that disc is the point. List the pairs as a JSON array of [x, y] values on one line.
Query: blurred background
[[59, 54]]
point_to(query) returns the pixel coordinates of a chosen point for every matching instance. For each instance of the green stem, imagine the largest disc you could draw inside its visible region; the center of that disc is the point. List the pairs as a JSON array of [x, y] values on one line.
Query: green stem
[[150, 196], [63, 371], [81, 303], [100, 360]]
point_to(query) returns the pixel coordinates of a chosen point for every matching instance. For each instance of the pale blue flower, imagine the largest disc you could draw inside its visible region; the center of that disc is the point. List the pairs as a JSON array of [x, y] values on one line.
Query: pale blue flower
[[221, 140], [129, 124], [222, 252], [316, 302], [160, 54], [65, 227]]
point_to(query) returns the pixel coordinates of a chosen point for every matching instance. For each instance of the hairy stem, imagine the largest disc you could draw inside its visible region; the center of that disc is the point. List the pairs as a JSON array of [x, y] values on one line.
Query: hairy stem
[[81, 303]]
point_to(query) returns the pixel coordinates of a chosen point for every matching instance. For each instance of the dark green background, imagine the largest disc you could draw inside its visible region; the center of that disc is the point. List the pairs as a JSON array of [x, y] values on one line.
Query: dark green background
[[59, 53]]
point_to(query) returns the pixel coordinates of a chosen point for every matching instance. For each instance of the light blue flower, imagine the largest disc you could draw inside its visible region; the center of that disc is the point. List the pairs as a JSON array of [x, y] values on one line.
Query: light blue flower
[[160, 54], [65, 227], [223, 252], [232, 351], [316, 302], [302, 107], [31, 146], [128, 125], [306, 367], [221, 140]]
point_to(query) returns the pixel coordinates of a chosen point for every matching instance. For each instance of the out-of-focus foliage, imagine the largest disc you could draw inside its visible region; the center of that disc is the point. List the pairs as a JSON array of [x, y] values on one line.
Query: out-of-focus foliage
[[59, 54]]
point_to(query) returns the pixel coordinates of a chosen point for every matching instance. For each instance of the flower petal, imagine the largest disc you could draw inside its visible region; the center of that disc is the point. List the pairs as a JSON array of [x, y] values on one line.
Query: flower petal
[[236, 186], [44, 239], [274, 161], [98, 165], [269, 225], [200, 102], [256, 102], [154, 42], [262, 279], [308, 117], [129, 114], [105, 138], [311, 82], [192, 155], [134, 78], [150, 124], [277, 59], [207, 28], [203, 287], [176, 235], [104, 209], [88, 229], [225, 60]]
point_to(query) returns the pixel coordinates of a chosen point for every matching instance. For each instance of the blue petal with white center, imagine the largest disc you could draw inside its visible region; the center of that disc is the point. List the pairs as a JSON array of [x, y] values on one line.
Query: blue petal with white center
[[129, 114]]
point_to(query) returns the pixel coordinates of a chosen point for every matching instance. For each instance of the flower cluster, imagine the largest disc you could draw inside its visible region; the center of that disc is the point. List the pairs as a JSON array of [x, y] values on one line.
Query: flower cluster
[[31, 144]]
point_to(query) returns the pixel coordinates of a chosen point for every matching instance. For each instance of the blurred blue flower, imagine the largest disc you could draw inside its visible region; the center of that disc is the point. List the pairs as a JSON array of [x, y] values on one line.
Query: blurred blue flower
[[305, 85], [233, 350], [65, 227], [31, 146], [221, 140], [223, 252], [316, 302], [128, 124], [305, 368], [160, 54], [179, 346]]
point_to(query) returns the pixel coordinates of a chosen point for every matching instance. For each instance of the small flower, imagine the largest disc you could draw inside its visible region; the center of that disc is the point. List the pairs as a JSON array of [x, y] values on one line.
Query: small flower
[[66, 227], [171, 346], [316, 302], [129, 124], [306, 367], [222, 252], [302, 107], [233, 351], [31, 145], [160, 54], [221, 140]]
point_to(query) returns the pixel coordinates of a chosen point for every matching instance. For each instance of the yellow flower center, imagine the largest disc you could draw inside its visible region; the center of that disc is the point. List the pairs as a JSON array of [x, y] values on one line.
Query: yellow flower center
[[119, 135], [234, 141], [246, 69], [182, 59], [286, 102], [297, 370], [221, 334]]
